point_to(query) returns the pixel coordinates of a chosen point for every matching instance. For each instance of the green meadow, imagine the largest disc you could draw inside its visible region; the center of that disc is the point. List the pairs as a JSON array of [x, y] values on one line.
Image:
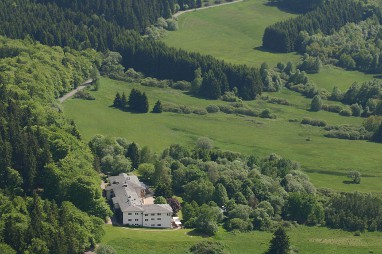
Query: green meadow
[[326, 160], [302, 238], [232, 32]]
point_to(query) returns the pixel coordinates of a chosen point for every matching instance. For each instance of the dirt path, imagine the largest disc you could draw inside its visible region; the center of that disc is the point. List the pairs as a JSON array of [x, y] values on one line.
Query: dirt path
[[202, 8], [73, 92]]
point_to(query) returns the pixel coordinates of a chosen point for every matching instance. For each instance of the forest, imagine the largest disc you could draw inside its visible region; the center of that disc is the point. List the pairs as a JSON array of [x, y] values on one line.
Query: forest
[[332, 15], [48, 183]]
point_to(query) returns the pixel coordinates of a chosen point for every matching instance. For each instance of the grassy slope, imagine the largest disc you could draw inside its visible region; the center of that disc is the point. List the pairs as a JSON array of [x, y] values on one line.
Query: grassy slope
[[305, 239], [232, 32], [326, 160]]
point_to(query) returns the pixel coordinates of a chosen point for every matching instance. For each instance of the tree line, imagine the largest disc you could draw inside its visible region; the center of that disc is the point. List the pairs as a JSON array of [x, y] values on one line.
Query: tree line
[[331, 15], [67, 27]]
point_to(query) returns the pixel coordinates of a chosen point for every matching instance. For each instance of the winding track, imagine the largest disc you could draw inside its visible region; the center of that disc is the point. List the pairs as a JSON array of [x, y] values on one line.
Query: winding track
[[74, 91]]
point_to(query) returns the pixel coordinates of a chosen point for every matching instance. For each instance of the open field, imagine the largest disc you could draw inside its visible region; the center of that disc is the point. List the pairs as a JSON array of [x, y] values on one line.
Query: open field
[[326, 160], [304, 239], [232, 32]]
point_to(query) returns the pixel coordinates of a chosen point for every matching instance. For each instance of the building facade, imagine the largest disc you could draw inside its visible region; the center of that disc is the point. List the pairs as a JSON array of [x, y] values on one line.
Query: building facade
[[127, 195]]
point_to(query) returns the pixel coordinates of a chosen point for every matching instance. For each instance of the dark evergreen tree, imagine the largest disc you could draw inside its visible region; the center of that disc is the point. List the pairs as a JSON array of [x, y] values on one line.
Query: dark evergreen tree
[[279, 243], [117, 101], [158, 107], [124, 101], [133, 153], [377, 137]]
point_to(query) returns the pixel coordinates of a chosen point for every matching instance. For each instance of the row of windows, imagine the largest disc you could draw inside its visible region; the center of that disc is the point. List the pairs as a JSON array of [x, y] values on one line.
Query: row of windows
[[146, 214], [153, 219]]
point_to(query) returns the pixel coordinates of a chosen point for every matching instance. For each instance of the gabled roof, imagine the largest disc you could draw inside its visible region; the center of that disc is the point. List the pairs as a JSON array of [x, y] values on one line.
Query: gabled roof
[[157, 208], [127, 191]]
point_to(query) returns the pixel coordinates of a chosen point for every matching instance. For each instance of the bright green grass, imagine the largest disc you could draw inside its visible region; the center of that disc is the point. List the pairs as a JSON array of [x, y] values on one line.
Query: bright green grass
[[304, 239], [326, 160], [331, 76], [233, 32]]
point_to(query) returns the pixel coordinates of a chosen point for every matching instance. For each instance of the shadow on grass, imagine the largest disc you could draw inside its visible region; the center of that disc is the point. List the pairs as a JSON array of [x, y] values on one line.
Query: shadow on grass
[[128, 110], [194, 232], [348, 182], [283, 8]]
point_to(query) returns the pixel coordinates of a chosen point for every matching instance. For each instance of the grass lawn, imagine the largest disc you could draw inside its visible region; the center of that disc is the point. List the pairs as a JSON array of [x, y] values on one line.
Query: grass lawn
[[326, 160], [304, 239]]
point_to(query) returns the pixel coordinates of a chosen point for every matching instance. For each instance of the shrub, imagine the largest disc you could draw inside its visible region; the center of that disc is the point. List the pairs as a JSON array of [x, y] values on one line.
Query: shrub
[[182, 85], [200, 111], [313, 122], [332, 108], [230, 96], [212, 109], [85, 95], [346, 112]]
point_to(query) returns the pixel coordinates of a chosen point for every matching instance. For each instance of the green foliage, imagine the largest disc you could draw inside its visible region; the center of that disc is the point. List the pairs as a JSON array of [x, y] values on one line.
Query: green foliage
[[208, 219], [354, 211], [355, 176], [279, 243], [316, 104], [158, 107], [304, 208], [207, 247], [105, 249], [133, 154], [160, 200], [284, 36]]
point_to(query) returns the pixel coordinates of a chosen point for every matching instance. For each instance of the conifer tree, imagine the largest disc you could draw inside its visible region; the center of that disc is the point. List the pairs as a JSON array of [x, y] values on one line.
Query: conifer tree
[[158, 107], [117, 101], [133, 154], [123, 101], [279, 243]]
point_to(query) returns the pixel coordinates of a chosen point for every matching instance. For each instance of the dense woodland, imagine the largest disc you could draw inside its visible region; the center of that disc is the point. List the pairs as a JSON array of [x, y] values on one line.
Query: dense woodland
[[53, 25], [332, 15], [240, 192], [42, 155]]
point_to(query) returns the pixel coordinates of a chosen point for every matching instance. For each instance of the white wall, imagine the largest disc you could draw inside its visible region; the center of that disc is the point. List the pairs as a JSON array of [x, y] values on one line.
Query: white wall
[[132, 218], [162, 220]]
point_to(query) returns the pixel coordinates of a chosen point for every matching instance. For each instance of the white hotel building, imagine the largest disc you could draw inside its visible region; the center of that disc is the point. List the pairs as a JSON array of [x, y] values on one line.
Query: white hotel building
[[127, 195]]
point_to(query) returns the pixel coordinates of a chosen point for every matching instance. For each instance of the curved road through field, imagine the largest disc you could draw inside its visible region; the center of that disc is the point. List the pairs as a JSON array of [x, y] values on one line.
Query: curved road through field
[[202, 8], [74, 91]]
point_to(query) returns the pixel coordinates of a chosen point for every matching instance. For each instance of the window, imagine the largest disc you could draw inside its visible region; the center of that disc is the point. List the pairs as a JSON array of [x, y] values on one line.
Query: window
[[136, 219], [136, 213], [158, 213], [159, 219], [129, 214], [146, 219], [152, 214], [153, 225], [159, 225], [129, 220], [146, 214], [152, 218]]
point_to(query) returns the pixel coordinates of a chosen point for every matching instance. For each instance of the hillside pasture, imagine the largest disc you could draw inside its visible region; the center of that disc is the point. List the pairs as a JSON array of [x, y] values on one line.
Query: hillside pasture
[[326, 160]]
